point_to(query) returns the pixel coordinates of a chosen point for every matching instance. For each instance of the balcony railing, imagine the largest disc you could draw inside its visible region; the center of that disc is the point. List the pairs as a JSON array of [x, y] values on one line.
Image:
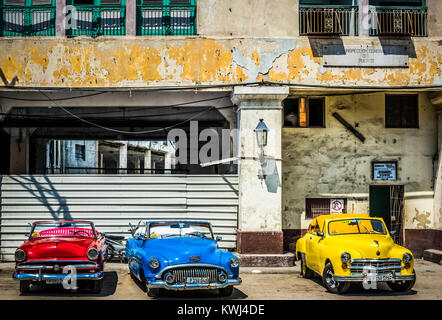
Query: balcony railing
[[328, 20], [27, 21], [161, 20], [97, 21], [398, 21]]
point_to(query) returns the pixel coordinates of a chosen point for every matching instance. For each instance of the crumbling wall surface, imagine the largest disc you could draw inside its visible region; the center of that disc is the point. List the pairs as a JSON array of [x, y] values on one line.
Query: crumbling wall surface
[[248, 18], [332, 163], [147, 61], [434, 18]]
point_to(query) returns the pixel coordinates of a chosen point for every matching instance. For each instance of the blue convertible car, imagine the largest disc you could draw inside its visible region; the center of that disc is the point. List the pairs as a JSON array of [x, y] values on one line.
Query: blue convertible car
[[180, 255]]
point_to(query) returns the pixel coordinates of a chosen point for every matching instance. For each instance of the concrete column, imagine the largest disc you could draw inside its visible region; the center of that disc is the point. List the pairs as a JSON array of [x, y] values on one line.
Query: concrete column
[[19, 155], [438, 180], [167, 161], [260, 221], [364, 18], [147, 160], [131, 17], [122, 163], [60, 12]]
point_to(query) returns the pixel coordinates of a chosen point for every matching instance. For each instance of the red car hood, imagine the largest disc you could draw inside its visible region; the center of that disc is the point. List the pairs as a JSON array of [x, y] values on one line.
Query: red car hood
[[57, 247]]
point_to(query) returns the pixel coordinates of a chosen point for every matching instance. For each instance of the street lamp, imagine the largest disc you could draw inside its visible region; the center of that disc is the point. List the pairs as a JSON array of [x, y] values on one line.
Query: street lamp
[[261, 132]]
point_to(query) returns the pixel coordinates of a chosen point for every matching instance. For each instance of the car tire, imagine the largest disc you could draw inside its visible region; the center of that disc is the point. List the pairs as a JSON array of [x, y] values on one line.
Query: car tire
[[330, 283], [25, 286], [153, 292], [402, 286], [96, 286], [306, 272], [226, 292]]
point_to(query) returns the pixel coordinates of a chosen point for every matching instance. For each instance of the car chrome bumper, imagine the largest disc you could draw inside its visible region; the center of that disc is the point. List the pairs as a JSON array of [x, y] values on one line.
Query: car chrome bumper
[[192, 286], [361, 278], [43, 276]]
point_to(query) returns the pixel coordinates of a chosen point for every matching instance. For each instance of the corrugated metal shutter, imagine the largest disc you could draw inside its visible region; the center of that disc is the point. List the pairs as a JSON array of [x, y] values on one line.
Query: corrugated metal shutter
[[112, 201]]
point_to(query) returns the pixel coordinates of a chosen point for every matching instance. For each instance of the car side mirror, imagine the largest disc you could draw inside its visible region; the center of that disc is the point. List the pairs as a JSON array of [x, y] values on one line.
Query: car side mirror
[[141, 237], [218, 238], [320, 234], [393, 232]]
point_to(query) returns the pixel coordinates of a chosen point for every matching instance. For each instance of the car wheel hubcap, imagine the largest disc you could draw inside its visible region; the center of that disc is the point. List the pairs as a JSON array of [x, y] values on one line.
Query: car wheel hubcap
[[330, 279]]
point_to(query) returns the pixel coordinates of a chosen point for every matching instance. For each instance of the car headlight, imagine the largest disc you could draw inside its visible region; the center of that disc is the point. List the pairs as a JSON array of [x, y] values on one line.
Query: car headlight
[[345, 257], [234, 263], [92, 254], [407, 257], [154, 263], [20, 255]]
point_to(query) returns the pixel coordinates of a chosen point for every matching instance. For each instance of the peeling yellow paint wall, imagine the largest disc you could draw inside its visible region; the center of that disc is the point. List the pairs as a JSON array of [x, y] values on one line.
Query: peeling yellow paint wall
[[332, 163], [85, 62]]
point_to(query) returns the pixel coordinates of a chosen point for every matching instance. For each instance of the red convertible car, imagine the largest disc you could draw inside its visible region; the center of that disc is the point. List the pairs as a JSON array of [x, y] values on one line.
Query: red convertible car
[[61, 252]]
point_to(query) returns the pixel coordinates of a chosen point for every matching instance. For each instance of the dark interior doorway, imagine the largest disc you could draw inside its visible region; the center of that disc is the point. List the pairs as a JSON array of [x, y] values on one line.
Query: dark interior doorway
[[5, 147], [387, 202]]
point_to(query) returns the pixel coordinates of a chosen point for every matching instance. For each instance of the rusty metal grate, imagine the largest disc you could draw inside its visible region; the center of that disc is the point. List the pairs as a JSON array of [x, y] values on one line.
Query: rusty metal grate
[[397, 22], [328, 20]]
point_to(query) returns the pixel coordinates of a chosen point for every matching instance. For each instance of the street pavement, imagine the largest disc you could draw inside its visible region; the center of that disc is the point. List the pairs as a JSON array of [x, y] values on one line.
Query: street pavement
[[258, 284]]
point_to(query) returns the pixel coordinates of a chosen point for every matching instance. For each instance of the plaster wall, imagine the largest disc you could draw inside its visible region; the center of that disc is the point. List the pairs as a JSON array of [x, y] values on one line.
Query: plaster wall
[[143, 62], [331, 162]]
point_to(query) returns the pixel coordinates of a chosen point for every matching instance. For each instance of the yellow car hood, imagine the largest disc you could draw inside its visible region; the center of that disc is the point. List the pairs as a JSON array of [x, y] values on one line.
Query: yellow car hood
[[365, 246]]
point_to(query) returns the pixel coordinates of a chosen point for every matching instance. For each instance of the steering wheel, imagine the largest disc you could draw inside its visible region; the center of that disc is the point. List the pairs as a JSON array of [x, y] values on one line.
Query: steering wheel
[[197, 233], [84, 231]]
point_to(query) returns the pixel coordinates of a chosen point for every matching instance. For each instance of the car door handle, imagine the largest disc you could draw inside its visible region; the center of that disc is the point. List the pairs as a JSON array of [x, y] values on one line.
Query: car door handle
[[311, 238]]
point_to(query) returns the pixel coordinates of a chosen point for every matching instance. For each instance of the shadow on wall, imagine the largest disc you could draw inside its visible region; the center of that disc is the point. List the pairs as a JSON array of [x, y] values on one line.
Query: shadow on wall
[[41, 191]]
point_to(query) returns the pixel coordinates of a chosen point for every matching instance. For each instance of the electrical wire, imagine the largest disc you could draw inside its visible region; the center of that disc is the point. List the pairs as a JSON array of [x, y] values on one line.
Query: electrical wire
[[200, 87], [122, 131], [54, 99]]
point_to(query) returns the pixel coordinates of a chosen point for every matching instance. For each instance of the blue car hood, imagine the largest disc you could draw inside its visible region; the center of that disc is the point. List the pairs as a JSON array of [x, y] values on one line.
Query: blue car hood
[[179, 250]]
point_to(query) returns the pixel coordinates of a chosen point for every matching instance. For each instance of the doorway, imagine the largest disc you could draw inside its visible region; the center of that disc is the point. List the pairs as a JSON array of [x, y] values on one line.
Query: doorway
[[387, 202]]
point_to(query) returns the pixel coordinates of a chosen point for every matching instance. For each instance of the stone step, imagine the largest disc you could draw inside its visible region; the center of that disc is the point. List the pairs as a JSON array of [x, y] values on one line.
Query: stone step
[[433, 255], [266, 260]]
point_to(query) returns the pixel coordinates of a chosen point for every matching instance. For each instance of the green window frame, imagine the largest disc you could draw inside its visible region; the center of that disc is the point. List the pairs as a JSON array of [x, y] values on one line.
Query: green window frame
[[28, 18], [166, 17], [99, 18]]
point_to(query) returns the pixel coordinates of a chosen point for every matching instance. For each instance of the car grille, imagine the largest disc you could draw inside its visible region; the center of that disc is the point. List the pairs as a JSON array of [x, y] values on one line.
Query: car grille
[[380, 265], [181, 274], [54, 267]]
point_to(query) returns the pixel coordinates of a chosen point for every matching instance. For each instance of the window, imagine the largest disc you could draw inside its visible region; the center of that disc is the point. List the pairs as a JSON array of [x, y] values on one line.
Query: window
[[401, 111], [80, 152], [317, 206], [97, 18], [166, 17], [27, 18], [304, 112], [328, 17], [398, 17]]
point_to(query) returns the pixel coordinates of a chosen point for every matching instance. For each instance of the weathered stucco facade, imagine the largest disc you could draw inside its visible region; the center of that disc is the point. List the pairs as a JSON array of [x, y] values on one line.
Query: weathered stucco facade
[[116, 62], [258, 42]]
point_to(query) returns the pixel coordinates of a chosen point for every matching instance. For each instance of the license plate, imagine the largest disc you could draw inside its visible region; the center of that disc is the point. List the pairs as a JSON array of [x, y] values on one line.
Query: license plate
[[201, 280], [54, 281], [384, 277]]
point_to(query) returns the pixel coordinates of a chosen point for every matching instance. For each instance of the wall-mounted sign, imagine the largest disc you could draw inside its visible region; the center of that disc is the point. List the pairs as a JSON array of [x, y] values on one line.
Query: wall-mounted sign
[[337, 206], [365, 56], [384, 170]]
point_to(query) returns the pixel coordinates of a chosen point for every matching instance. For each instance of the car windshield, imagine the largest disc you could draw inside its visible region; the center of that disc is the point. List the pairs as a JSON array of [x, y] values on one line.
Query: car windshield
[[62, 229], [354, 226], [180, 229]]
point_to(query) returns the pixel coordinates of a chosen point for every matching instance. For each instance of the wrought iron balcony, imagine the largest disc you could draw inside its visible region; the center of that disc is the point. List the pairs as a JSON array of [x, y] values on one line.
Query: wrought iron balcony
[[27, 21], [97, 21], [162, 20], [395, 21], [328, 20]]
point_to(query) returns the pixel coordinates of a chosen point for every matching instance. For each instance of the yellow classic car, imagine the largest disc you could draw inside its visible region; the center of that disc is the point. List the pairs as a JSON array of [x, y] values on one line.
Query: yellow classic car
[[344, 248]]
